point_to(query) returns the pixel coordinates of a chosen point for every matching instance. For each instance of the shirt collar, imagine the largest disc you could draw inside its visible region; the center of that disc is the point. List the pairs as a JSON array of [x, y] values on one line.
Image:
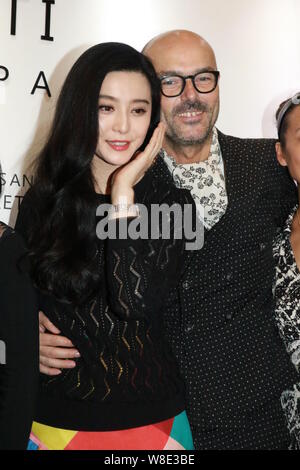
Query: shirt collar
[[214, 154]]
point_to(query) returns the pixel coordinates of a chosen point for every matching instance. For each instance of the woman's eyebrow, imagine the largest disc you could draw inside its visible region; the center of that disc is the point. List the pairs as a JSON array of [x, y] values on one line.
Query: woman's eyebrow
[[113, 98], [108, 97], [141, 101]]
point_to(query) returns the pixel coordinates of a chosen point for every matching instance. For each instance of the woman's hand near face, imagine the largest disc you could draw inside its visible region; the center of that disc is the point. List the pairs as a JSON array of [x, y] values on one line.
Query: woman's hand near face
[[126, 177]]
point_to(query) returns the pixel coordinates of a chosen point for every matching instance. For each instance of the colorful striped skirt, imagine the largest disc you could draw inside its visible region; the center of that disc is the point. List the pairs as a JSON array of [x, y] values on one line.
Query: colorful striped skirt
[[172, 434]]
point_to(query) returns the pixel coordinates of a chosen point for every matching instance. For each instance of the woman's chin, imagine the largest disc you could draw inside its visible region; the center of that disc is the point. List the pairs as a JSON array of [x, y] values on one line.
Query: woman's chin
[[115, 160]]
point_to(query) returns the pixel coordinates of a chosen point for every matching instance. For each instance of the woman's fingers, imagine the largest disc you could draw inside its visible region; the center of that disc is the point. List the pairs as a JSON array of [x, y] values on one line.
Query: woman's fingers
[[145, 159], [155, 143], [131, 174], [160, 138]]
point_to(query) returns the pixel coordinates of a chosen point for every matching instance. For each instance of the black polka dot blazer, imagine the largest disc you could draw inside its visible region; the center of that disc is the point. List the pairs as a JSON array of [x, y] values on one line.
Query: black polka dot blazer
[[220, 320]]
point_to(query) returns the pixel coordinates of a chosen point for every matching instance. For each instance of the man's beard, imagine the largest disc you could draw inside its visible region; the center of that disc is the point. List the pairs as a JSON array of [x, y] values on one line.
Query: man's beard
[[174, 132]]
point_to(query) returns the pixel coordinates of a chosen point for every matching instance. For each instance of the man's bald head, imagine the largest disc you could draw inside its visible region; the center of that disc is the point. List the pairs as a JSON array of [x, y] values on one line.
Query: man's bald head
[[177, 41], [190, 116]]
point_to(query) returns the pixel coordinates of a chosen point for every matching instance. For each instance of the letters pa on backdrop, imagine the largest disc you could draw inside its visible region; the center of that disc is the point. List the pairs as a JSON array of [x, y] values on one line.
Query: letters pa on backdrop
[[16, 15]]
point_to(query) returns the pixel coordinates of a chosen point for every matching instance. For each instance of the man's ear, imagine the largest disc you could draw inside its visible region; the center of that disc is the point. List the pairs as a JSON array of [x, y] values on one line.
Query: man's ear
[[280, 154]]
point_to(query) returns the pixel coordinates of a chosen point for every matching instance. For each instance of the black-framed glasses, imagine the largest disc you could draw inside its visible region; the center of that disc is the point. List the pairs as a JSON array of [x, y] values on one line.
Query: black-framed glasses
[[204, 82]]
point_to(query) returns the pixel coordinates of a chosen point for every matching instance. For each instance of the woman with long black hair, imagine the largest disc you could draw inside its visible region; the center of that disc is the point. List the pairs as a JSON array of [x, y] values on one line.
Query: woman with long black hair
[[18, 342], [106, 295]]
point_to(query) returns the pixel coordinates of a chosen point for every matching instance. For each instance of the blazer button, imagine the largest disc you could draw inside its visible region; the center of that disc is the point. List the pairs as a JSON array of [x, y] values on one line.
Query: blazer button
[[186, 285], [189, 327], [229, 276], [228, 316], [262, 246]]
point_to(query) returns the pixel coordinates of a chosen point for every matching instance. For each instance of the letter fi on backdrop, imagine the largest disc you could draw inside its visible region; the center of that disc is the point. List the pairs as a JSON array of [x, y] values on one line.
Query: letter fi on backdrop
[[13, 22]]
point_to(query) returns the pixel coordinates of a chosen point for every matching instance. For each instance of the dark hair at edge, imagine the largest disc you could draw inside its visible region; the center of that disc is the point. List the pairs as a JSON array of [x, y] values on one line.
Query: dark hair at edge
[[285, 121], [62, 240]]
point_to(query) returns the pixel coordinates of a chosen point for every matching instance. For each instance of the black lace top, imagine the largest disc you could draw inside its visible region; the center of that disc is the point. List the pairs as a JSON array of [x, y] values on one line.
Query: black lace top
[[126, 375]]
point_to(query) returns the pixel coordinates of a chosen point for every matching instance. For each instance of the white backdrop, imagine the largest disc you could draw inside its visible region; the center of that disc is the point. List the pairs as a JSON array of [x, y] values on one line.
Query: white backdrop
[[257, 43]]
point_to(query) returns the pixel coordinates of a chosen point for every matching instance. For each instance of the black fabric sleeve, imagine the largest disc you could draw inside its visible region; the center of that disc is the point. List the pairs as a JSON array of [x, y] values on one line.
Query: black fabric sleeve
[[19, 332], [26, 215]]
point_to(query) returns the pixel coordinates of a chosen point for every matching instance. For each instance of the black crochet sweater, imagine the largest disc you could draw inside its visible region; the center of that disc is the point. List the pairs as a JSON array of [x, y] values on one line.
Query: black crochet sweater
[[126, 375]]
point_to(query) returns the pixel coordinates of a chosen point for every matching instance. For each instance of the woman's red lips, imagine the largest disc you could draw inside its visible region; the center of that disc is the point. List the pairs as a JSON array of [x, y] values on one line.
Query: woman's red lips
[[119, 145]]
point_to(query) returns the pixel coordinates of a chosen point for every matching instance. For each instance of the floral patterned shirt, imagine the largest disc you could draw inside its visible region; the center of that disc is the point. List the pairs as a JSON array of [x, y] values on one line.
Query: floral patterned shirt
[[206, 182]]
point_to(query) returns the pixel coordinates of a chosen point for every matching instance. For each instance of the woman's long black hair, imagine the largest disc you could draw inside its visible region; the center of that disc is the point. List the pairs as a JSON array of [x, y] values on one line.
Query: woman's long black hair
[[62, 239]]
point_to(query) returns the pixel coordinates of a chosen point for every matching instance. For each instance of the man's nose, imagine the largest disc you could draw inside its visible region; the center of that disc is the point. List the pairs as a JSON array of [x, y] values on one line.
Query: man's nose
[[121, 123], [189, 91]]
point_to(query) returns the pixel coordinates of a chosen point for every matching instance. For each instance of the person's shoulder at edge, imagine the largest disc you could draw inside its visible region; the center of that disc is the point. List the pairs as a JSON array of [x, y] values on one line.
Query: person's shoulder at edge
[[12, 247], [8, 234], [260, 154], [26, 213], [259, 150], [250, 141], [29, 197]]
